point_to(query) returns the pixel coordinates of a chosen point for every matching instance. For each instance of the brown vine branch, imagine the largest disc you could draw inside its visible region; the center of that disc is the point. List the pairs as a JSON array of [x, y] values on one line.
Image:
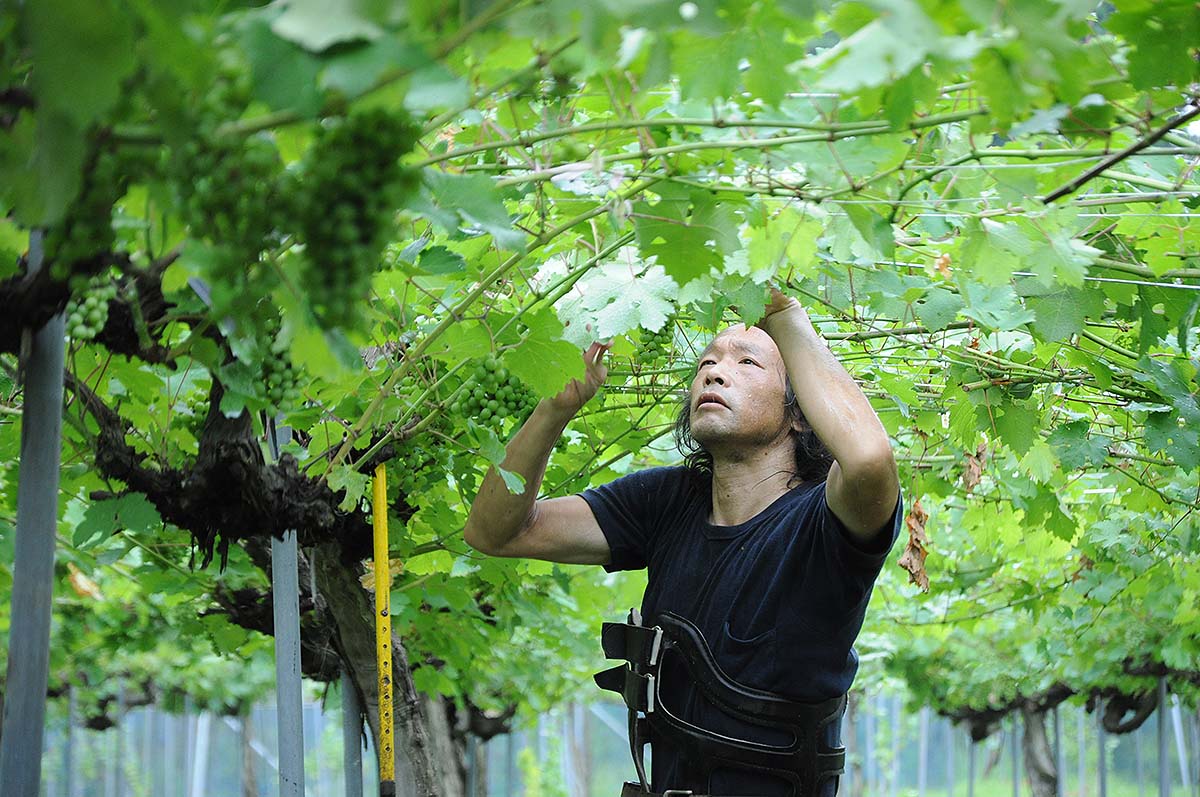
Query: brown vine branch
[[1117, 157]]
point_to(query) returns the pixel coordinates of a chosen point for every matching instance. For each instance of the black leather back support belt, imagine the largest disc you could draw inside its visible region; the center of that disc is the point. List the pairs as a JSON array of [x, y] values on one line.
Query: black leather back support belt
[[805, 763]]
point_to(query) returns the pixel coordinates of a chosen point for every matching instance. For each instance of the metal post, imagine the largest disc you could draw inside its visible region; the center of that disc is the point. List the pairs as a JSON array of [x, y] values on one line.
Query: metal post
[[122, 732], [510, 764], [950, 740], [1180, 744], [871, 770], [285, 593], [69, 745], [1080, 727], [33, 560], [351, 737], [850, 743], [895, 729], [1164, 774], [1060, 757], [1014, 749], [923, 752], [199, 780], [1139, 761], [970, 767], [1101, 749]]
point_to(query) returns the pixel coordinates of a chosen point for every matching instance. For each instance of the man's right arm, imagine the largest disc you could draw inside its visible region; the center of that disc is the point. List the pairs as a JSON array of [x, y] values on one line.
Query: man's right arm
[[564, 529]]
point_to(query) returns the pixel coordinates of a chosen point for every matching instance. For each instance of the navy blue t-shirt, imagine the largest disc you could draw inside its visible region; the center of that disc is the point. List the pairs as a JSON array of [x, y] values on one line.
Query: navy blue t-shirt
[[779, 598]]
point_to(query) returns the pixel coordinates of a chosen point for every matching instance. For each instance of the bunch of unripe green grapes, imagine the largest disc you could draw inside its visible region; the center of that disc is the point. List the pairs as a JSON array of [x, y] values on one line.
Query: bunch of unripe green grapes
[[229, 193], [84, 236], [654, 346], [351, 185], [492, 394], [87, 312], [278, 372], [413, 463]]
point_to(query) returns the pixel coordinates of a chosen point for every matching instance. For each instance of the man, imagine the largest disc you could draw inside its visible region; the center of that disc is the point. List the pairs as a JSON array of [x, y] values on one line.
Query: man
[[767, 544]]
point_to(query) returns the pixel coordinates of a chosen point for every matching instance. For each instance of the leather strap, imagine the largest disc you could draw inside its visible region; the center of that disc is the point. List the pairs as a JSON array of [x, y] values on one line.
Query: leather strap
[[805, 762]]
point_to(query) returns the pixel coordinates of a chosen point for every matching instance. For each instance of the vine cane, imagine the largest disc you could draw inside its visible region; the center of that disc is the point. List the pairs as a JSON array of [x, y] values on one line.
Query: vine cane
[[383, 634]]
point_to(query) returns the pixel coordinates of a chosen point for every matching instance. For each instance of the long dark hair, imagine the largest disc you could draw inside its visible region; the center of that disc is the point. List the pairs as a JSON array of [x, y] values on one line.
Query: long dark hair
[[812, 458]]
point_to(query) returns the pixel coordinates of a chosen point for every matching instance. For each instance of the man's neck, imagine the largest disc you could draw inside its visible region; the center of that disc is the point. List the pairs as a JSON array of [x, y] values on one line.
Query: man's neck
[[744, 486]]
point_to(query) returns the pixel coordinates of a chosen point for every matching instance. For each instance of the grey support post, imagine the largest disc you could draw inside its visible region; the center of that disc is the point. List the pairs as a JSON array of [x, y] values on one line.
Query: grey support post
[[285, 593], [1164, 774], [33, 561], [351, 737]]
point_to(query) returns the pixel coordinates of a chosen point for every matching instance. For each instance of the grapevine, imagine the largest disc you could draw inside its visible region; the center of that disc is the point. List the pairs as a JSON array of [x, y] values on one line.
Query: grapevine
[[352, 184], [492, 394], [278, 372], [87, 312], [229, 193], [82, 239], [653, 346]]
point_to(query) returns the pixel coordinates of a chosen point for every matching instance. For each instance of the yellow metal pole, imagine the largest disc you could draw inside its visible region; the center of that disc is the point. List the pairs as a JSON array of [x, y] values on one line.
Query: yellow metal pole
[[383, 635]]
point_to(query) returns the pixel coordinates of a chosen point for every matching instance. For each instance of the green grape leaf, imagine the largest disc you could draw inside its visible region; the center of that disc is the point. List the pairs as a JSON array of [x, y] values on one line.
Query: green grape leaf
[[996, 307], [1017, 426], [131, 512], [545, 361], [285, 75], [476, 200], [938, 307], [1075, 449], [83, 51], [1059, 315], [787, 239], [317, 25], [687, 232], [615, 298], [357, 485]]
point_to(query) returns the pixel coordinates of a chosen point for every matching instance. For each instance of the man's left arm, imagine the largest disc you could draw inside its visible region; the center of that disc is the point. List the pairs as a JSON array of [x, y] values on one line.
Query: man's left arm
[[863, 483]]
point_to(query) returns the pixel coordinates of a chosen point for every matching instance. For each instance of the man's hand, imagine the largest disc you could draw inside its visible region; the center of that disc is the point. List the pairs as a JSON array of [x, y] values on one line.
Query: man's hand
[[778, 308], [577, 393]]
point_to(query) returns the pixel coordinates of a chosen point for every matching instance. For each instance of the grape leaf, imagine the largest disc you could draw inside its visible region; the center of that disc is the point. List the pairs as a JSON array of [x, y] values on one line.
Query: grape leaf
[[475, 199], [617, 296], [938, 308], [317, 25], [132, 512], [544, 360]]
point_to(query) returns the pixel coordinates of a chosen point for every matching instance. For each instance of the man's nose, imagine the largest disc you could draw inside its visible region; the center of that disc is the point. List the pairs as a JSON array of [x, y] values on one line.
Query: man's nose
[[714, 376]]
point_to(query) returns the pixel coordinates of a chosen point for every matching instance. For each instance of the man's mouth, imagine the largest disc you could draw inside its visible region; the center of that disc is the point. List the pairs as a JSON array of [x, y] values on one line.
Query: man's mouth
[[710, 398]]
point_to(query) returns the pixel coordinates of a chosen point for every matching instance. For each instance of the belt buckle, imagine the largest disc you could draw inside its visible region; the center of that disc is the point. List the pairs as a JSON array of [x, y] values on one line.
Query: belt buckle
[[678, 793]]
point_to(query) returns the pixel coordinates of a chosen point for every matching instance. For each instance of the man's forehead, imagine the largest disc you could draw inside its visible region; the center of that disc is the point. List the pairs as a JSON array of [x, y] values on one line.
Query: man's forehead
[[741, 339]]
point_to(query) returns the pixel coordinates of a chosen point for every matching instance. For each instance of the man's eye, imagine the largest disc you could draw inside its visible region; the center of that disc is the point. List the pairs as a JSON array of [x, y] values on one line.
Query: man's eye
[[748, 360]]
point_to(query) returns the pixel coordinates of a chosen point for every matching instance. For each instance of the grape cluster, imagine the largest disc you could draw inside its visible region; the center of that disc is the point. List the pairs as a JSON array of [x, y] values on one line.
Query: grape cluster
[[351, 186], [413, 463], [87, 312], [493, 394], [84, 237], [229, 191], [278, 372], [653, 346]]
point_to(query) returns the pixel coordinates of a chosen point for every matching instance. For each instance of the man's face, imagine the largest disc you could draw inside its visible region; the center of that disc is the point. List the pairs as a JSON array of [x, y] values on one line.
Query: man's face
[[737, 395]]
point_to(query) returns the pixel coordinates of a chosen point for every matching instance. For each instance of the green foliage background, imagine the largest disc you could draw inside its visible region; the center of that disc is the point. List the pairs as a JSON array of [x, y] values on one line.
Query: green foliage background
[[590, 169]]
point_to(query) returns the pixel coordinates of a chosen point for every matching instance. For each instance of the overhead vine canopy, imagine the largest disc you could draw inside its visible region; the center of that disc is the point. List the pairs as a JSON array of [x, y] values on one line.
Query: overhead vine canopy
[[393, 228]]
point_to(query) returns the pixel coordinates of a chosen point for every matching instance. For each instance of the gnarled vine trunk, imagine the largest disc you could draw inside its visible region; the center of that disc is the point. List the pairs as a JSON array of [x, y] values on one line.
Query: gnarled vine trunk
[[1039, 758], [429, 759]]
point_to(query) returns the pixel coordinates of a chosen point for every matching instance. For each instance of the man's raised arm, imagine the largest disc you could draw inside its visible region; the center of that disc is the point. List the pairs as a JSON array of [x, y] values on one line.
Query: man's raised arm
[[502, 523], [863, 483]]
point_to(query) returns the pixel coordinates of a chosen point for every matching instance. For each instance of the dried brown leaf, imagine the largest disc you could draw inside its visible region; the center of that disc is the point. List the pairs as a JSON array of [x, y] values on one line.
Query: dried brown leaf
[[913, 558]]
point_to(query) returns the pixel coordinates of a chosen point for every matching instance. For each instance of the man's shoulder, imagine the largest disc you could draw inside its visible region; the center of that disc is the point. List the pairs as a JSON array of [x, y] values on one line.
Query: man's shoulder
[[665, 478]]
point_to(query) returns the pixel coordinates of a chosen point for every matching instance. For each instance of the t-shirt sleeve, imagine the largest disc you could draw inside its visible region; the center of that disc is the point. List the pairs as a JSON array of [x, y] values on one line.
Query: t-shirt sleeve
[[629, 511], [866, 557]]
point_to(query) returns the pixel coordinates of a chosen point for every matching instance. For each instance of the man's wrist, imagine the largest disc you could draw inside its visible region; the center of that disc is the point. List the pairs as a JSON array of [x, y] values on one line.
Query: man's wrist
[[555, 414], [792, 317]]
